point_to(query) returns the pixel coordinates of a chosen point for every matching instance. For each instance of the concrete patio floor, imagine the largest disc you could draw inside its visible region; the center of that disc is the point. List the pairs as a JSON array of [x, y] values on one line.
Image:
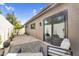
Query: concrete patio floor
[[27, 44], [21, 39]]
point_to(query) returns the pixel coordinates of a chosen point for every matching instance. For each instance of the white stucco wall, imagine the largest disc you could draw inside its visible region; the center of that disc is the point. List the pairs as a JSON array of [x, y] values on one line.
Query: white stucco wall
[[5, 28], [22, 31]]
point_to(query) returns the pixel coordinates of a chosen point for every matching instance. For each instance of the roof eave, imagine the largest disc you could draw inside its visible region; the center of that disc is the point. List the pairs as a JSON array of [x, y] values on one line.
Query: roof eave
[[41, 12]]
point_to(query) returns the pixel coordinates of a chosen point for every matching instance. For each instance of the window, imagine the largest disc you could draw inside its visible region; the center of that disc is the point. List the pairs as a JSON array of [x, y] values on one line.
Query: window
[[59, 26], [55, 28], [33, 26], [40, 24]]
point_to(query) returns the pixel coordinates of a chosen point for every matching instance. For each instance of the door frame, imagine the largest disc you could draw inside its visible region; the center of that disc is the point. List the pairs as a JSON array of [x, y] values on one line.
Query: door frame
[[65, 13]]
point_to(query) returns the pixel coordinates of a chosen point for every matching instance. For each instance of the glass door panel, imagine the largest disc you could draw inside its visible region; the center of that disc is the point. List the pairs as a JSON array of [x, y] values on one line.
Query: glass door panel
[[54, 28]]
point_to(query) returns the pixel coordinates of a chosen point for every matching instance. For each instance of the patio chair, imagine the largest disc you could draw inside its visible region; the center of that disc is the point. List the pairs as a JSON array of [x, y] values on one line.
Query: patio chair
[[62, 50]]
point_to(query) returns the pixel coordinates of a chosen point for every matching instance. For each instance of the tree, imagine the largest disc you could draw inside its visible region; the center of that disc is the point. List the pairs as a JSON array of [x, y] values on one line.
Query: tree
[[11, 18], [17, 27]]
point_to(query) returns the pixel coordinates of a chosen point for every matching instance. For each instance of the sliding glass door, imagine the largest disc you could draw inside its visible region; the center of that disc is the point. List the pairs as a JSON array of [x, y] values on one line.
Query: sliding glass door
[[48, 30], [55, 29]]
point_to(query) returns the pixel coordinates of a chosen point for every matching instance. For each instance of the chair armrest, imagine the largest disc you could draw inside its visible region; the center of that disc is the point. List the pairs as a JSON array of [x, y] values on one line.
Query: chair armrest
[[59, 49]]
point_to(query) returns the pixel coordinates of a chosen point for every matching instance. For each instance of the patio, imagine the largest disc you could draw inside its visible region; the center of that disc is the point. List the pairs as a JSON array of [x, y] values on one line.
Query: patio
[[26, 45], [21, 39]]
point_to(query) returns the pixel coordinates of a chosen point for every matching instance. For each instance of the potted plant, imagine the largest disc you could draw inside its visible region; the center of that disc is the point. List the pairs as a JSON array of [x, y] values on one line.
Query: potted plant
[[6, 44]]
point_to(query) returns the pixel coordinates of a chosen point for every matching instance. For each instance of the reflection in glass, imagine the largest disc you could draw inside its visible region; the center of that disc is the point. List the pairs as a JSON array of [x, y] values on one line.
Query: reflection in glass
[[54, 29]]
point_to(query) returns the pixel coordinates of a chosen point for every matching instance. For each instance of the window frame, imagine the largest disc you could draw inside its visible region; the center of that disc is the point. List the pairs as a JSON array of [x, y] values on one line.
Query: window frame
[[32, 26], [65, 13]]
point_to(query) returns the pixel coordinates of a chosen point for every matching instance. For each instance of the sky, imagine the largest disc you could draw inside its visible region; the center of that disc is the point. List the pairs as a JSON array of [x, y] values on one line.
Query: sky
[[23, 11]]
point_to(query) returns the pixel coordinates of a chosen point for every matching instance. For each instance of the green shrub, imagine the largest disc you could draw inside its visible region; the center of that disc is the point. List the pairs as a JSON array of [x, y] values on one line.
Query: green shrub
[[11, 36]]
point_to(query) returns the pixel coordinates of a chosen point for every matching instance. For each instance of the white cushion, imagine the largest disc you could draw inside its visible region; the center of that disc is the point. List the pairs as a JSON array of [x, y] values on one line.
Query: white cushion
[[65, 43]]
